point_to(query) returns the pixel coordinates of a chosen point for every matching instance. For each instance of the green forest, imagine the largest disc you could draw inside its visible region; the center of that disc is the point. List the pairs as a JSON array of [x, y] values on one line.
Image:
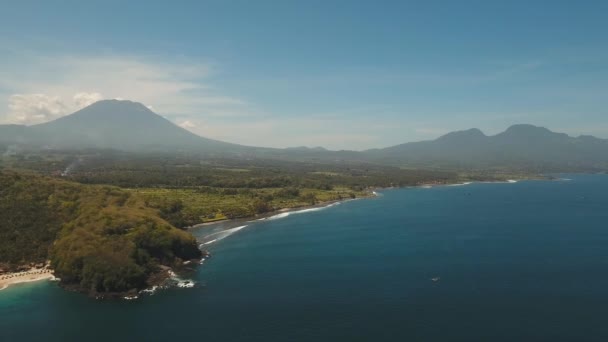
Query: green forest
[[99, 239]]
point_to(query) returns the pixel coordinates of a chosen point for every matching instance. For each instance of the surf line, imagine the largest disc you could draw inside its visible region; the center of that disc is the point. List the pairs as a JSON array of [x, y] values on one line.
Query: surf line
[[218, 236]]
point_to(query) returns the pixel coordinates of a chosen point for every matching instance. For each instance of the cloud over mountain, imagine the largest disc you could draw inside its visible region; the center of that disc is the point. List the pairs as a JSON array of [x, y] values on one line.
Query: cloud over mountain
[[30, 109], [54, 87]]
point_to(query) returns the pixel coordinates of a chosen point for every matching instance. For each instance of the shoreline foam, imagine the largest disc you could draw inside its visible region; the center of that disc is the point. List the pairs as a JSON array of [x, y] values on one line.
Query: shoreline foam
[[244, 223], [280, 213], [285, 212]]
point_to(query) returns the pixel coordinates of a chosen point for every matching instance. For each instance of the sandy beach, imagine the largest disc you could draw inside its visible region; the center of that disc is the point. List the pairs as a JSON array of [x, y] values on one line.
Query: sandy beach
[[33, 274]]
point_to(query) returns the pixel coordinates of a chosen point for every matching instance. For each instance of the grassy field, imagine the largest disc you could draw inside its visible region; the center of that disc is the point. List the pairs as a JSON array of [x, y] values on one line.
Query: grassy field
[[199, 205]]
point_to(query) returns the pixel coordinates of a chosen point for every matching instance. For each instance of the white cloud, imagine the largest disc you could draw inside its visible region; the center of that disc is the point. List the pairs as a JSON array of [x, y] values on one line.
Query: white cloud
[[31, 109], [34, 108], [82, 100], [187, 124], [52, 87], [39, 89]]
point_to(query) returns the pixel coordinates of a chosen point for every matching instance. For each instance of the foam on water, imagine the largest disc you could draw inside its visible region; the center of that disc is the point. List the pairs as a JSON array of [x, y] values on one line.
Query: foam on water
[[276, 217], [214, 237], [209, 242], [217, 236], [302, 211], [460, 184], [181, 283], [150, 291], [186, 284]]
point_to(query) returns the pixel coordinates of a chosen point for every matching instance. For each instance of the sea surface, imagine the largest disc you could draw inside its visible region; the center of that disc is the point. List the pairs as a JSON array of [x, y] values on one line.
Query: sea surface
[[479, 262]]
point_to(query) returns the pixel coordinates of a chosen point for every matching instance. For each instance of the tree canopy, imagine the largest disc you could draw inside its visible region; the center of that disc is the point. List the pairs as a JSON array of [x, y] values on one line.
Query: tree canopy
[[99, 239]]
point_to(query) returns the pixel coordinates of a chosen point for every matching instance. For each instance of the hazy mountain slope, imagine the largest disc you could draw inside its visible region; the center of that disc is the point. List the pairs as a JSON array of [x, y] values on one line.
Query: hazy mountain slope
[[131, 126], [518, 146], [11, 134], [123, 125]]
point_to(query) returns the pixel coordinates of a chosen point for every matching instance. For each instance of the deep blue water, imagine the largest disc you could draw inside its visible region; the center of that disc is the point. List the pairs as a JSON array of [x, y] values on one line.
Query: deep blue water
[[515, 262]]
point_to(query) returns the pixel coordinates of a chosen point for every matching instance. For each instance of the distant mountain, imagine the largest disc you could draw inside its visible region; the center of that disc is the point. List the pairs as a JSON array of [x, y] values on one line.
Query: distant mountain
[[12, 134], [132, 127], [307, 149], [113, 124], [520, 146]]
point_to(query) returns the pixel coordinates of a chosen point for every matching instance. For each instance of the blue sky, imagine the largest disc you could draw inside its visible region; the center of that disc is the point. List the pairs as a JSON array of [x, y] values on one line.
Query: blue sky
[[341, 74]]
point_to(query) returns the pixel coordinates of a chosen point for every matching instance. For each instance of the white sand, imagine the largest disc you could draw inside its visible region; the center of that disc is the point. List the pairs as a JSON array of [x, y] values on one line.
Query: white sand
[[33, 274]]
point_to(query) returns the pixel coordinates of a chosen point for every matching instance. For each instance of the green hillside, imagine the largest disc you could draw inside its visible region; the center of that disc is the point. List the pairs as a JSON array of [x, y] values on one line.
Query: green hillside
[[99, 239]]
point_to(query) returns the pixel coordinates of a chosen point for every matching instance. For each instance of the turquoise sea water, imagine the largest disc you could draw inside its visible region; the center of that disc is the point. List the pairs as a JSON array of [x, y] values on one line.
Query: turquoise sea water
[[481, 262]]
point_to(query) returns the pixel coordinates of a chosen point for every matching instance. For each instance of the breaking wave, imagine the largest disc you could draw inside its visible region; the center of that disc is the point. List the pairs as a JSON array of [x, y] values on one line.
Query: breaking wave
[[173, 281], [460, 184], [217, 236], [214, 237], [295, 212], [275, 217]]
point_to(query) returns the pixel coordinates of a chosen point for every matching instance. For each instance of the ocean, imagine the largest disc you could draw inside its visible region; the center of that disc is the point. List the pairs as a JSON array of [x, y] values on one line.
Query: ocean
[[524, 261]]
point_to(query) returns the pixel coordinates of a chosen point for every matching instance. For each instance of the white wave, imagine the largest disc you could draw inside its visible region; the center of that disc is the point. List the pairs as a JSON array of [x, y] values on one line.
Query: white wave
[[173, 281], [302, 211], [278, 216], [185, 284], [310, 210], [208, 242], [221, 235], [181, 283], [460, 184], [217, 236], [150, 291]]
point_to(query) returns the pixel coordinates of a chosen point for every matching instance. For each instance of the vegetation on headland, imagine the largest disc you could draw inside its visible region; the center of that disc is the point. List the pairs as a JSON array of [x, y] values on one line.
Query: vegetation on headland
[[189, 206], [99, 239], [189, 189]]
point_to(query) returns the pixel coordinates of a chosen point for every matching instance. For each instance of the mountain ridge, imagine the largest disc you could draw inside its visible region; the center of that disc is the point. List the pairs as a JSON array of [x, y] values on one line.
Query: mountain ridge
[[114, 124], [520, 145], [131, 126]]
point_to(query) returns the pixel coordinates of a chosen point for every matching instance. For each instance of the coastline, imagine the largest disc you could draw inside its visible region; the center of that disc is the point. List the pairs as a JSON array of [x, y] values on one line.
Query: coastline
[[211, 232], [371, 192], [31, 275], [45, 273], [260, 217]]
